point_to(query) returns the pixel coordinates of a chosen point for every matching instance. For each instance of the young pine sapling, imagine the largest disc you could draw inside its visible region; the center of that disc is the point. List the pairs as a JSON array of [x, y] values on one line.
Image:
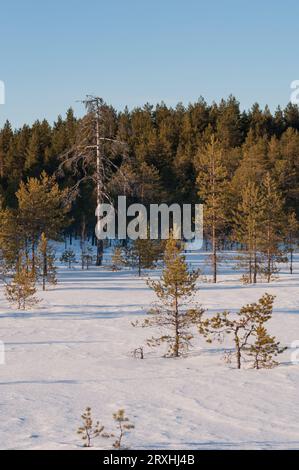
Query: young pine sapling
[[264, 349], [68, 258], [90, 430], [21, 290], [175, 291], [123, 425], [241, 325]]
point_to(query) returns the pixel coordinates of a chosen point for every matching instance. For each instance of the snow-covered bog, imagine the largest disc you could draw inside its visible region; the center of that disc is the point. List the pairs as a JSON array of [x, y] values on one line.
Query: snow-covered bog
[[75, 350]]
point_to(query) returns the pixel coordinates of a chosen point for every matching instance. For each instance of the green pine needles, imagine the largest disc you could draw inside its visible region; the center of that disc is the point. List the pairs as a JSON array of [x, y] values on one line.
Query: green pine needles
[[174, 313]]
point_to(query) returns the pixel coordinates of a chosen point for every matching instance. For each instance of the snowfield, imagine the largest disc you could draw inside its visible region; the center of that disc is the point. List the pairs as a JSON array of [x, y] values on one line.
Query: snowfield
[[75, 350]]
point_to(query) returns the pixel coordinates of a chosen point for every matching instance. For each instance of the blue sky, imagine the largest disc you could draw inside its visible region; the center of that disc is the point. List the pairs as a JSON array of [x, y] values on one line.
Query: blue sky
[[135, 51]]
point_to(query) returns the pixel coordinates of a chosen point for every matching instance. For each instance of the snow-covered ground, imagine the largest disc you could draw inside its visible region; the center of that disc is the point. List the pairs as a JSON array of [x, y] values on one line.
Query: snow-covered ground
[[74, 350]]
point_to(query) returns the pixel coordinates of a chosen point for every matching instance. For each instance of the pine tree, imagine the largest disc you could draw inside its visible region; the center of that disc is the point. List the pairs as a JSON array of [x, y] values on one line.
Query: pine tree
[[291, 231], [123, 426], [143, 254], [33, 153], [117, 258], [147, 184], [46, 262], [42, 208], [12, 239], [247, 229], [68, 257], [6, 140], [285, 167], [89, 431], [254, 162], [260, 121], [241, 325], [272, 226], [21, 289], [86, 257], [229, 123], [264, 349], [175, 291], [213, 186]]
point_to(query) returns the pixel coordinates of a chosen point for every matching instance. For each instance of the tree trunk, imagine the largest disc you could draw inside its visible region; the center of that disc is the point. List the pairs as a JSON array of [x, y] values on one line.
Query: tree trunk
[[255, 268], [177, 337], [33, 257], [238, 350], [27, 256], [268, 255], [238, 358], [45, 269], [250, 267], [100, 250], [214, 255], [268, 266]]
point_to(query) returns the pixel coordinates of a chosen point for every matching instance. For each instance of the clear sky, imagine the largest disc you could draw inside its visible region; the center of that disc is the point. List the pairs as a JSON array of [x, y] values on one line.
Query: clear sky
[[54, 52]]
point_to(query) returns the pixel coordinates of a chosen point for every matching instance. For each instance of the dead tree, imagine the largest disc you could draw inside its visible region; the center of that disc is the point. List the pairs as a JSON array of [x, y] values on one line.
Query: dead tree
[[91, 157]]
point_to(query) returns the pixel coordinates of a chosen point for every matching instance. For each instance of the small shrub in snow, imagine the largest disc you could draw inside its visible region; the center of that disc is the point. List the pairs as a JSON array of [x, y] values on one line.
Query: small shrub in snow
[[89, 431], [123, 426], [138, 353]]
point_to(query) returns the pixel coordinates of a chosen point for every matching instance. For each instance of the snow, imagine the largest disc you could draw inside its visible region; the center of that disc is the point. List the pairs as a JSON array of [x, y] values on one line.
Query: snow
[[75, 350]]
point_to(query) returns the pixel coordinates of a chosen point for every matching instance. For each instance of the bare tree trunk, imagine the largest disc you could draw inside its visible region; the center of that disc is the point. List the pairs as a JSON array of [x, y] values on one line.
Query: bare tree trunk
[[238, 350], [255, 267], [45, 270], [214, 254], [100, 245], [268, 255], [27, 256], [82, 241], [100, 250], [250, 266], [33, 257], [177, 337], [268, 266]]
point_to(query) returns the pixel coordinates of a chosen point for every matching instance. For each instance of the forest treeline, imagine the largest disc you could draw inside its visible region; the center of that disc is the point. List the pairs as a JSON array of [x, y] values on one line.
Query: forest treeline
[[243, 165], [163, 148]]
